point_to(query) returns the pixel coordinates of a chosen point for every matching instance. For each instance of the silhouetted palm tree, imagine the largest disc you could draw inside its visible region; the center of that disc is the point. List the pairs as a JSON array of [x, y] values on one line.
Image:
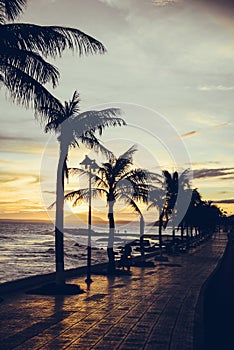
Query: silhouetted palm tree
[[175, 184], [191, 217], [23, 50], [157, 198], [209, 216], [164, 198], [136, 208], [172, 188], [116, 180], [74, 128]]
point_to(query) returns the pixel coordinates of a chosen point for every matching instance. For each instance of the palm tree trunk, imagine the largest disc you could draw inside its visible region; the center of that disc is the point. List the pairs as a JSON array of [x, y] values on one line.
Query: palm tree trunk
[[142, 228], [173, 228], [187, 237], [160, 232], [173, 233], [110, 247], [59, 245], [182, 231]]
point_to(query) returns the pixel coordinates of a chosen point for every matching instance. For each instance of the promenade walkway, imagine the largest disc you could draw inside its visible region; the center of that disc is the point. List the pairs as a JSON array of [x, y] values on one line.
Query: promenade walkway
[[154, 308]]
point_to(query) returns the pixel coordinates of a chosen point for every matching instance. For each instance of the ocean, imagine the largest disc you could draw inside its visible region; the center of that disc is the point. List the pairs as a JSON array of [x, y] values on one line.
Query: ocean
[[27, 249]]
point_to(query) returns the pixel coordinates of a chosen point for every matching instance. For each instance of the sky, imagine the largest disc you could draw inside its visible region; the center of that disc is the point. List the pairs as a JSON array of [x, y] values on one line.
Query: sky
[[169, 67]]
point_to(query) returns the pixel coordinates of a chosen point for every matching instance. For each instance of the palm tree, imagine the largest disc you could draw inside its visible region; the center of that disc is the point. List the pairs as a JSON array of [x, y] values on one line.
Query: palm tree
[[136, 208], [177, 194], [116, 180], [164, 197], [157, 197], [23, 51], [74, 128], [191, 217], [172, 188], [209, 216]]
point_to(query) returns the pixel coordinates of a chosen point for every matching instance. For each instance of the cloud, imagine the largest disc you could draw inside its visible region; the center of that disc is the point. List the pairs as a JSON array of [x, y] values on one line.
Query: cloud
[[221, 125], [119, 4], [195, 132], [8, 177], [225, 201], [190, 133], [227, 178], [15, 138], [109, 2], [215, 88], [205, 173], [202, 163], [49, 192], [165, 2], [221, 4]]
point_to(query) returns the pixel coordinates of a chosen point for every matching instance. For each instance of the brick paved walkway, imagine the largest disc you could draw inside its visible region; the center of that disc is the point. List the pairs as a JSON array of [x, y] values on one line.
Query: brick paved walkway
[[152, 309]]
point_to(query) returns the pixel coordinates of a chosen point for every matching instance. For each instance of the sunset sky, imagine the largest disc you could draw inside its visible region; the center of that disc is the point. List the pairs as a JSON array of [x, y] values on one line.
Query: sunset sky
[[169, 67]]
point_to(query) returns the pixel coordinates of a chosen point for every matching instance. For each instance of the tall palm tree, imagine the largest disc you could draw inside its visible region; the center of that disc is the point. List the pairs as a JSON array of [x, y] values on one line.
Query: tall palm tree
[[24, 48], [116, 180], [74, 128]]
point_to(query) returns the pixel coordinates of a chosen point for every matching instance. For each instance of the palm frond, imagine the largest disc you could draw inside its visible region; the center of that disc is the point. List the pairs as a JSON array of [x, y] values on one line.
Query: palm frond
[[72, 107], [11, 9], [92, 121], [137, 180], [100, 182], [48, 40], [30, 63], [27, 91], [184, 178], [138, 176], [154, 177], [91, 142], [123, 164], [63, 114], [121, 168], [81, 195], [131, 203], [156, 197], [129, 153], [77, 196], [133, 185], [168, 177], [76, 171]]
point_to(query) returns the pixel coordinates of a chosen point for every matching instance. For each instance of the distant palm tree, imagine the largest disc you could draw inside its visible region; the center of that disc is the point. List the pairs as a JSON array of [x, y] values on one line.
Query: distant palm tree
[[116, 180], [136, 208], [191, 217], [175, 184], [23, 49], [208, 218], [74, 128], [157, 197], [164, 198]]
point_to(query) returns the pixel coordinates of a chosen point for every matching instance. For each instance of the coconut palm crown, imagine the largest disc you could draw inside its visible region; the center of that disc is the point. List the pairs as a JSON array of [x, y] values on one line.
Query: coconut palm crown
[[24, 49], [115, 180], [73, 129]]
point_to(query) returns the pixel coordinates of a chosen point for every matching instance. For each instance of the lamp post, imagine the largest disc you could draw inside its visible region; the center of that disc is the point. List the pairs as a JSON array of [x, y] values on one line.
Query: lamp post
[[91, 166]]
